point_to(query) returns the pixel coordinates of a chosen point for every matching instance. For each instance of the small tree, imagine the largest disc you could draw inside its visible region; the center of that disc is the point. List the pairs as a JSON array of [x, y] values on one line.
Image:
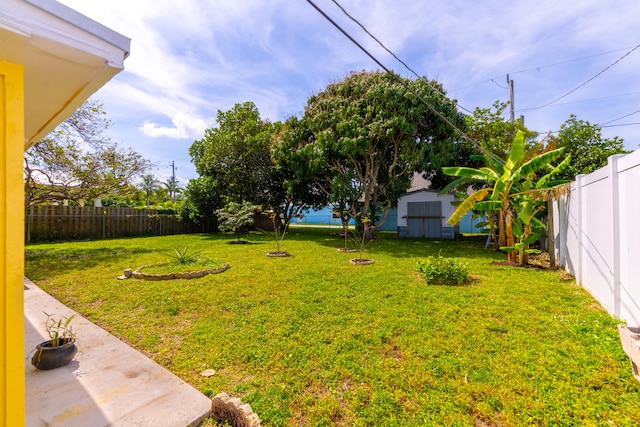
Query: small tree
[[236, 218], [279, 227], [364, 238]]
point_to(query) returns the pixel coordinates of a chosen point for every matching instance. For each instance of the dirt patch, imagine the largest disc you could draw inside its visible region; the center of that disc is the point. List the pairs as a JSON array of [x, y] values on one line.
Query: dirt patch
[[540, 260]]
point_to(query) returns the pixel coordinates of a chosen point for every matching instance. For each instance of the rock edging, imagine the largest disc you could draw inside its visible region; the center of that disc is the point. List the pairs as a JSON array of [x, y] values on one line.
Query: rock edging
[[225, 408], [138, 274]]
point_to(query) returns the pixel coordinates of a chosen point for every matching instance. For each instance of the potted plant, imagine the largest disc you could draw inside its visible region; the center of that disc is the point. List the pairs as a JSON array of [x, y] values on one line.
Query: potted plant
[[61, 346]]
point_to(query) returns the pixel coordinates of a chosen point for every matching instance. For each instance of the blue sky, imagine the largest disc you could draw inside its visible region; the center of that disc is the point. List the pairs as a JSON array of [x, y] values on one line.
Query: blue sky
[[191, 58]]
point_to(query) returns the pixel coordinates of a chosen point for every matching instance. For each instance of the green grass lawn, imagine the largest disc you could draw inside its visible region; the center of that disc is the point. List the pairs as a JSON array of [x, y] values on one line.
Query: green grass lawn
[[313, 340]]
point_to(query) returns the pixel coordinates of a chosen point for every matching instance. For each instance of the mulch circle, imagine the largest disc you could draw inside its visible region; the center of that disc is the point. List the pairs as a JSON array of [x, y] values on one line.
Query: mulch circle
[[362, 261], [281, 254]]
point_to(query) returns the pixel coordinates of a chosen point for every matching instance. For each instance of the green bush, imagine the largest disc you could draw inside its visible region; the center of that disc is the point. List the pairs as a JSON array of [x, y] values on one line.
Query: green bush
[[443, 270]]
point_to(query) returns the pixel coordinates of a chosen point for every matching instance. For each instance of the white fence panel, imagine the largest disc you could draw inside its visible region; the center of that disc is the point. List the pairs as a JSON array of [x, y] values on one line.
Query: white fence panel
[[596, 245], [597, 233], [629, 185]]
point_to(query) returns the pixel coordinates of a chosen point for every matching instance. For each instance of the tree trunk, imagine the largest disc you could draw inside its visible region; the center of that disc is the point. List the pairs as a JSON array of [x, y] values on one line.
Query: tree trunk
[[551, 235], [509, 237], [502, 232]]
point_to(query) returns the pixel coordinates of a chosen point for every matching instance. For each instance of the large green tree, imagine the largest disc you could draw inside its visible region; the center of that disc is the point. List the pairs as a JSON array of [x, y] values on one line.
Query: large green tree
[[201, 199], [300, 172], [370, 132], [236, 154], [79, 162], [589, 151]]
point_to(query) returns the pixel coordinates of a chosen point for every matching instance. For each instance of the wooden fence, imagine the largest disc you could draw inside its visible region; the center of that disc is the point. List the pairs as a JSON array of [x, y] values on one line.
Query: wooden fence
[[74, 222]]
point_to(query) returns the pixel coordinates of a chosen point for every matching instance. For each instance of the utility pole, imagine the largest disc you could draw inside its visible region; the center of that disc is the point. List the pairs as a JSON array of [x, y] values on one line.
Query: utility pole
[[512, 109], [173, 180]]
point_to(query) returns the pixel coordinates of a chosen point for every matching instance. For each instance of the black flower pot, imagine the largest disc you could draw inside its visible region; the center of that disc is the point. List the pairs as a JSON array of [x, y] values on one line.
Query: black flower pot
[[48, 357]]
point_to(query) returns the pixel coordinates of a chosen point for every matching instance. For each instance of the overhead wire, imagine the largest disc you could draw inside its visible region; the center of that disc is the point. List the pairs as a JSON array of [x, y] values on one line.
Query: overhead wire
[[389, 50], [623, 124], [536, 68], [619, 118], [591, 99], [395, 76], [583, 84]]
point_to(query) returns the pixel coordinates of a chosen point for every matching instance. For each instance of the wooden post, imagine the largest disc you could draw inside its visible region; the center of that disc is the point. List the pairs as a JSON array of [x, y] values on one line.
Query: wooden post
[[12, 385]]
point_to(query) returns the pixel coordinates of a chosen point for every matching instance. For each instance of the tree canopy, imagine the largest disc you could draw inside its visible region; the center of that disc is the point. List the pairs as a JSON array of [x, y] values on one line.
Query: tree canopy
[[490, 128], [589, 151], [363, 138], [78, 161], [237, 154]]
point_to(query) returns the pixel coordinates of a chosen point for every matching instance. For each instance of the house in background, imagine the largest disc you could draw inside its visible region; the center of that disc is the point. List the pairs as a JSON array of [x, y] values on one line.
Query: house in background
[[420, 213], [51, 60], [424, 213]]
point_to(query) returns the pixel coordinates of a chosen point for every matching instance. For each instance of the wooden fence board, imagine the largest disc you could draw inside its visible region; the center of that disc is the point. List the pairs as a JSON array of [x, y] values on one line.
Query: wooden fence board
[[74, 222]]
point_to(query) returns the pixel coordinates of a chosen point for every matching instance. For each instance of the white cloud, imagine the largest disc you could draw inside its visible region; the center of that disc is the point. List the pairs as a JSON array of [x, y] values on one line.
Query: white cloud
[[192, 58], [184, 127]]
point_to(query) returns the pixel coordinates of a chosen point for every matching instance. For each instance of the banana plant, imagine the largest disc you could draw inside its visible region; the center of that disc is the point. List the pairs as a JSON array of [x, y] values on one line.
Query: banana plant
[[505, 183]]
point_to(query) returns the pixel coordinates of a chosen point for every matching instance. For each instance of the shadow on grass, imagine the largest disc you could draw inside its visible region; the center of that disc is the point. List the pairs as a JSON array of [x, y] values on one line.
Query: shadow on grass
[[384, 242]]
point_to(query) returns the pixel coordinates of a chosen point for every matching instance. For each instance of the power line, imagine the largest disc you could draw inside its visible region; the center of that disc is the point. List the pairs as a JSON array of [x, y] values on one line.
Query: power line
[[623, 124], [402, 82], [583, 84], [389, 51], [592, 99], [536, 68], [622, 117]]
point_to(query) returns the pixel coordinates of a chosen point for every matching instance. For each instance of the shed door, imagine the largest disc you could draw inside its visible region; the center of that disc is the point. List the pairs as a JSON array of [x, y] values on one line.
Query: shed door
[[424, 219]]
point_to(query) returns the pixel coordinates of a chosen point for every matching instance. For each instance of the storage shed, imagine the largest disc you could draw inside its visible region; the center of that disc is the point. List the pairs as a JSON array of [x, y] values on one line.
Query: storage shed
[[424, 213]]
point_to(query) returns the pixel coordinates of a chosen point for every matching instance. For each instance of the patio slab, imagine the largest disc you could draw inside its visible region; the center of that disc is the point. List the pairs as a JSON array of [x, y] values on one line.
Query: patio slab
[[107, 384]]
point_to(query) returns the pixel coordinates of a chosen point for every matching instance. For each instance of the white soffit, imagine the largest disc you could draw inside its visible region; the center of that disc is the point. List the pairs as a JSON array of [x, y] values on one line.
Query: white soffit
[[66, 57]]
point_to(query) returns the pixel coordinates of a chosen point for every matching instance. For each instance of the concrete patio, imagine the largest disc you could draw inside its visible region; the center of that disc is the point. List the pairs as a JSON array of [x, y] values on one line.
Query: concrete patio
[[107, 384]]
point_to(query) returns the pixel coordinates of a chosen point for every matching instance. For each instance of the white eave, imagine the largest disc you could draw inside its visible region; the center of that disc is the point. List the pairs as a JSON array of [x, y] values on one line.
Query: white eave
[[66, 58]]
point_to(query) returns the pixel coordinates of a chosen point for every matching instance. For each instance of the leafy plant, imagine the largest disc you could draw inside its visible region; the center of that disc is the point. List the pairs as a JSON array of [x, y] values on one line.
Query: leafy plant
[[443, 270], [236, 218], [506, 184], [183, 257], [59, 330]]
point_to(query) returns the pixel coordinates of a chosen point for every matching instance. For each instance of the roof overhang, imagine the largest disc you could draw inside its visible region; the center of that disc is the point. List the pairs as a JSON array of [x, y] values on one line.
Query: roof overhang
[[66, 58]]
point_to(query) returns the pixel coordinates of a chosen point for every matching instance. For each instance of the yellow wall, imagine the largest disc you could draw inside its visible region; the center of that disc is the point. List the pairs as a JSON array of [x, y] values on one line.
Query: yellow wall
[[11, 246]]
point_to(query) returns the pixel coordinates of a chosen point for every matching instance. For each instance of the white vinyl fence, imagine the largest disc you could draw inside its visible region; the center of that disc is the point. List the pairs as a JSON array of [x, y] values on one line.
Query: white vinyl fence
[[597, 235]]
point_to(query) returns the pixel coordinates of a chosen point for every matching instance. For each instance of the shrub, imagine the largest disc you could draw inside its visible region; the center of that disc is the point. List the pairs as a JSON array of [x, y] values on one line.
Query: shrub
[[236, 218], [443, 270], [183, 257]]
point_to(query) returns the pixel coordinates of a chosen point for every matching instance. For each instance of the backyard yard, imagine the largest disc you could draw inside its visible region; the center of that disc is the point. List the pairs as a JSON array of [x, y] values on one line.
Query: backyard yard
[[311, 339]]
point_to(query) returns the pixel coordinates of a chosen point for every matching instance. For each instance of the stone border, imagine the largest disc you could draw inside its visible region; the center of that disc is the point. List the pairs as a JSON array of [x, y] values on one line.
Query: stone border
[[362, 261], [281, 254], [138, 274], [231, 410]]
